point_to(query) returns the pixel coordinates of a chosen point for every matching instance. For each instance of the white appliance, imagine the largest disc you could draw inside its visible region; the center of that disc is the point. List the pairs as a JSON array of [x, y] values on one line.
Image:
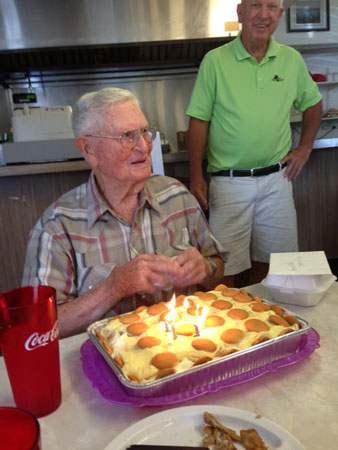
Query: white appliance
[[38, 152], [42, 124]]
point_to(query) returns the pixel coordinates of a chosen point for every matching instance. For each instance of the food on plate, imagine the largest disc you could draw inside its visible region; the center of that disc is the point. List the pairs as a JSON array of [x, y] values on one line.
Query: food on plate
[[219, 437], [251, 440], [163, 447], [167, 338]]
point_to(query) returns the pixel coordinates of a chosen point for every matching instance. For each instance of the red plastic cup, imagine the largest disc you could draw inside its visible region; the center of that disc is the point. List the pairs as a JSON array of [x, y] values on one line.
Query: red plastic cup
[[19, 430], [30, 347]]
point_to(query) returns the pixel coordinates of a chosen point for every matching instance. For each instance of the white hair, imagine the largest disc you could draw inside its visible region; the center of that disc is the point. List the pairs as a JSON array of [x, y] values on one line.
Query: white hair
[[88, 110]]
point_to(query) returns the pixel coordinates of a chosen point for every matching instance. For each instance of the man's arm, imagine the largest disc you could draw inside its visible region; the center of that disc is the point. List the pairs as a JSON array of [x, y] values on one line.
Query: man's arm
[[197, 142], [214, 275], [300, 155], [75, 315], [145, 273]]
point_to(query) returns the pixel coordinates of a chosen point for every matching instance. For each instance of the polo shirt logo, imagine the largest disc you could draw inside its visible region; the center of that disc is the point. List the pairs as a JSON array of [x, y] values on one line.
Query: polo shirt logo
[[277, 78]]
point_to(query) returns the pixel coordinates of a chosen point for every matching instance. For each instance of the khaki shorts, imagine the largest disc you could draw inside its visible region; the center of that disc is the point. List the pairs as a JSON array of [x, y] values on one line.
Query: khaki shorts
[[253, 217]]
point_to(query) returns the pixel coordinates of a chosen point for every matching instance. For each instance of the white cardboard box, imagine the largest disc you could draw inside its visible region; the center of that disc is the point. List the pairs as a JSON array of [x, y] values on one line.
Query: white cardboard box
[[299, 278]]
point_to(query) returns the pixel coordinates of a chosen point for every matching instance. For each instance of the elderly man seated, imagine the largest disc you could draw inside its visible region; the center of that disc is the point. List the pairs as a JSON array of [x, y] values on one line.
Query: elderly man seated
[[126, 237]]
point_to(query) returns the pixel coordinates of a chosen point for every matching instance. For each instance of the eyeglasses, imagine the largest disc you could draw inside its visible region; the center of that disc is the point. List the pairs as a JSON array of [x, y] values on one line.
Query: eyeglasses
[[129, 138]]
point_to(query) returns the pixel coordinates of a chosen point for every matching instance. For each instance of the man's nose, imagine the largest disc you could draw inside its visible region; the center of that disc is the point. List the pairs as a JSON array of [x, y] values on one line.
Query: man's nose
[[142, 144], [263, 12]]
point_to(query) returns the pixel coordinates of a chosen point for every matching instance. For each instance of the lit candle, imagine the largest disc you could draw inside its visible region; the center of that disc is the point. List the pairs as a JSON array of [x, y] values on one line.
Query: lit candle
[[198, 313], [174, 332], [171, 316], [202, 313]]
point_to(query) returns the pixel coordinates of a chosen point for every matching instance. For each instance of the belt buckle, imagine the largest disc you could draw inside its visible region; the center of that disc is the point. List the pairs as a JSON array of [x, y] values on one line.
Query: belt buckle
[[252, 173]]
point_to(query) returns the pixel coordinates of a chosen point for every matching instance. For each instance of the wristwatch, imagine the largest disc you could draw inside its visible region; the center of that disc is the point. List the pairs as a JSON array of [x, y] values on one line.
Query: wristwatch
[[213, 265]]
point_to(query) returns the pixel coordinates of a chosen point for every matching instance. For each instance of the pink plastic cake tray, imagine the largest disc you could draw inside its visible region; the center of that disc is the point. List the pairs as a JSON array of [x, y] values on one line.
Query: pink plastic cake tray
[[102, 377]]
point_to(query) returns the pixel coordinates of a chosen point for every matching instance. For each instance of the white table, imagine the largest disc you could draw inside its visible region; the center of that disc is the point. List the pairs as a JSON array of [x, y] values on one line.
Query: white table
[[302, 398]]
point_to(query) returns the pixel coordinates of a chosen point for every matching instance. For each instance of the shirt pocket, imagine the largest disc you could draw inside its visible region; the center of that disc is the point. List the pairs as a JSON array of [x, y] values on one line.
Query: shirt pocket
[[179, 241], [88, 277]]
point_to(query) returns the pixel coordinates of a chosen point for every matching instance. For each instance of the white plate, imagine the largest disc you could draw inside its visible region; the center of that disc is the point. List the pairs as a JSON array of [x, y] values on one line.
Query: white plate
[[184, 426]]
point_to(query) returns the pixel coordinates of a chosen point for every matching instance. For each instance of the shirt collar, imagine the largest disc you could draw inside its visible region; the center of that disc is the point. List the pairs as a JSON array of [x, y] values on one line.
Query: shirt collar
[[97, 205], [241, 53], [148, 195]]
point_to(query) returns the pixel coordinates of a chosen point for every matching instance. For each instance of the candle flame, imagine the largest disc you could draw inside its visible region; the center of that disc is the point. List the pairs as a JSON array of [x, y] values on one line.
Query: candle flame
[[172, 314], [172, 303]]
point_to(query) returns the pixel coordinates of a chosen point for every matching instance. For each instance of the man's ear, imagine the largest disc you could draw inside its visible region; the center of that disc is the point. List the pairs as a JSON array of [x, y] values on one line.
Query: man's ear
[[83, 145], [239, 12]]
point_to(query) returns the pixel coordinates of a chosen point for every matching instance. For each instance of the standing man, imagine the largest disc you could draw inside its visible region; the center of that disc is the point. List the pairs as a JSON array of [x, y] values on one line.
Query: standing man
[[240, 110]]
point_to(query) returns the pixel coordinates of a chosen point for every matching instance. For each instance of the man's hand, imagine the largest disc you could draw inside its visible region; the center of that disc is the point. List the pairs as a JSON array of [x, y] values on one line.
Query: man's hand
[[146, 274], [296, 161], [194, 268], [149, 273], [300, 155], [197, 141], [198, 187]]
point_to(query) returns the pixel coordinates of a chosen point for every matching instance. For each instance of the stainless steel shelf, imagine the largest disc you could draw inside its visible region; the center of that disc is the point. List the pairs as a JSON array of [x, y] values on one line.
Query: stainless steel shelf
[[327, 83], [299, 119]]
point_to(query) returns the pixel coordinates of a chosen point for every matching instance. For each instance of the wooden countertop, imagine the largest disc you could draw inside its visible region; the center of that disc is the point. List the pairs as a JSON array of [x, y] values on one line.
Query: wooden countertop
[[50, 167], [78, 165], [70, 166]]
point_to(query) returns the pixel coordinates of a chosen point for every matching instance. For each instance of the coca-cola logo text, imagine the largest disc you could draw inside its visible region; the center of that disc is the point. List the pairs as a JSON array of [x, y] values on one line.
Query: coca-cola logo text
[[36, 340]]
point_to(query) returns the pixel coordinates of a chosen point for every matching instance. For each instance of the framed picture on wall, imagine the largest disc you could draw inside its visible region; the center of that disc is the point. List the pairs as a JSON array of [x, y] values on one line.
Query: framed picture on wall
[[309, 15]]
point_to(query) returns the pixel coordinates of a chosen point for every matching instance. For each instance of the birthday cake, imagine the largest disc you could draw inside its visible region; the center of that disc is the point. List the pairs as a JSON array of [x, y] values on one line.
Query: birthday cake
[[166, 338]]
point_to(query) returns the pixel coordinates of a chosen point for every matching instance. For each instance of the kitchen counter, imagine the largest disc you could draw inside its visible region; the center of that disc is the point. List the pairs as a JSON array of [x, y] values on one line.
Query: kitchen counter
[[81, 164], [302, 398], [26, 190], [50, 167], [71, 166]]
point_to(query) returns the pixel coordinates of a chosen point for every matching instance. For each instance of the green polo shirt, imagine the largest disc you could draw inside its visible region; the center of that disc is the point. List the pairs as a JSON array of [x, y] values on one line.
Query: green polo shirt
[[248, 103]]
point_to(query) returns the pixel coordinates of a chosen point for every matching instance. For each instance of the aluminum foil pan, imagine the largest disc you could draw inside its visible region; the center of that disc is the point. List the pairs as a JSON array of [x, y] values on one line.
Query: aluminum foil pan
[[214, 371]]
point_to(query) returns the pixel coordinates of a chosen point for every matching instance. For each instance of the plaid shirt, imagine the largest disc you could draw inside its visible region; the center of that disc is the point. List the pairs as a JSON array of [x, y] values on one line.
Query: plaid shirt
[[79, 240]]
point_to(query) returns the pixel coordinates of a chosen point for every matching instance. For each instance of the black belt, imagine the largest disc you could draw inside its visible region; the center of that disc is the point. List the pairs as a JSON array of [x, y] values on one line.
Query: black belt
[[250, 172]]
